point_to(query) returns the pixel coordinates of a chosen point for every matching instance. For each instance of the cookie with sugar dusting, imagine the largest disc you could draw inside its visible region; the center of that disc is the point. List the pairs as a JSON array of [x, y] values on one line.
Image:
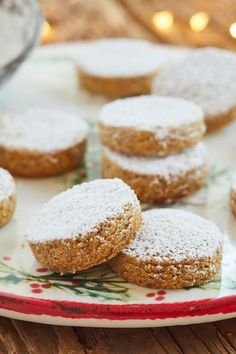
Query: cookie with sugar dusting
[[206, 77], [42, 142], [173, 249], [7, 196], [151, 125], [233, 195], [119, 67], [159, 179], [85, 226]]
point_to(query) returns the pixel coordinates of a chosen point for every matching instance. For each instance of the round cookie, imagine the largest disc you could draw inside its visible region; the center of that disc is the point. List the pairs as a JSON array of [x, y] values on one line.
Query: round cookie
[[41, 142], [84, 226], [206, 77], [159, 180], [173, 249], [7, 196], [118, 67], [151, 125], [233, 195]]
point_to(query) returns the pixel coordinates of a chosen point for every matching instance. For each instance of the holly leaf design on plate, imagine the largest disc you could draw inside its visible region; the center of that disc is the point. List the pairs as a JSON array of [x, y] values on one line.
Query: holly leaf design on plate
[[97, 282]]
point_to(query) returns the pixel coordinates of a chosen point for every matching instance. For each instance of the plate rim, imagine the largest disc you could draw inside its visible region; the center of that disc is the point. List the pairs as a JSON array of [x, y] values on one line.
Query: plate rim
[[84, 310]]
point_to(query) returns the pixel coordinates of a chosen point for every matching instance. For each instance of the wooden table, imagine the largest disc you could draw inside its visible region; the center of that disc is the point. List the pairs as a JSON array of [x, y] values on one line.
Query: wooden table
[[24, 337], [73, 20]]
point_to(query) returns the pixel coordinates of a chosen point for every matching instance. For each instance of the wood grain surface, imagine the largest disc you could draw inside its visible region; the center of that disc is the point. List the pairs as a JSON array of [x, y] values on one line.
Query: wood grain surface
[[90, 19], [24, 337]]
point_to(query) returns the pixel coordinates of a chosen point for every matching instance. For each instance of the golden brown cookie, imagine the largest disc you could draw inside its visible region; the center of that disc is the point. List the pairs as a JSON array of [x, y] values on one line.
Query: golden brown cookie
[[85, 225], [151, 125], [7, 196], [118, 67], [113, 87], [206, 77], [159, 179], [219, 121], [42, 142], [173, 249]]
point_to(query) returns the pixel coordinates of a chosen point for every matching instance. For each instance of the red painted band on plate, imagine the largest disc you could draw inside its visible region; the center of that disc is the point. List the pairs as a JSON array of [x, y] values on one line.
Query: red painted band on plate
[[76, 310]]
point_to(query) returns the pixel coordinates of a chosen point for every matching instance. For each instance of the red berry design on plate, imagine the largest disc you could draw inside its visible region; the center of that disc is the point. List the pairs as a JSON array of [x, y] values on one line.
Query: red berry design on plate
[[150, 294], [6, 258], [46, 286], [75, 281], [161, 292], [37, 291], [160, 298], [34, 285], [41, 270]]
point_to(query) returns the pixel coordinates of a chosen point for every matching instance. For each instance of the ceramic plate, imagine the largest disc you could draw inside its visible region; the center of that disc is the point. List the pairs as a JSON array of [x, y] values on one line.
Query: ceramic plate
[[97, 297]]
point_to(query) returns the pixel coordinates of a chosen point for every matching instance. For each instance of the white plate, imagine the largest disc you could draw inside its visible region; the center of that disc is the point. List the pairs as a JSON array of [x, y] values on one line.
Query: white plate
[[97, 297]]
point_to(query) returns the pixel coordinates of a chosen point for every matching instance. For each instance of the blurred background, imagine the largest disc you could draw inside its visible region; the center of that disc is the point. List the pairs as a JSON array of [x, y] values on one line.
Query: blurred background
[[192, 23]]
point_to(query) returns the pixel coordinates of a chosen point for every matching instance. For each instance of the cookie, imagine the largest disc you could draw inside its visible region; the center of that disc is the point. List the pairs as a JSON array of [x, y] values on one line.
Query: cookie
[[41, 142], [173, 249], [118, 67], [7, 196], [233, 196], [151, 125], [206, 77], [159, 179], [84, 226]]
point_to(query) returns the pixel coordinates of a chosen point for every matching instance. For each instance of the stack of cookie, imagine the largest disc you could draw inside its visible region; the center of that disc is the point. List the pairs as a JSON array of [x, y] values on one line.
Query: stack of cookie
[[100, 221], [153, 144]]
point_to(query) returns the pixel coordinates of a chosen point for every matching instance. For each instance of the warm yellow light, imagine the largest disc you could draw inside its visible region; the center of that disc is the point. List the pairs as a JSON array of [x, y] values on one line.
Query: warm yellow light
[[163, 20], [199, 21], [46, 32], [232, 30]]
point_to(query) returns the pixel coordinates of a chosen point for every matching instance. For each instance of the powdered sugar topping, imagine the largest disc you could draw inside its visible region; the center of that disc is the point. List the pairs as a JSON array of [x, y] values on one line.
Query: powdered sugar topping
[[167, 166], [207, 77], [80, 210], [150, 113], [121, 57], [7, 185], [41, 129], [174, 235]]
